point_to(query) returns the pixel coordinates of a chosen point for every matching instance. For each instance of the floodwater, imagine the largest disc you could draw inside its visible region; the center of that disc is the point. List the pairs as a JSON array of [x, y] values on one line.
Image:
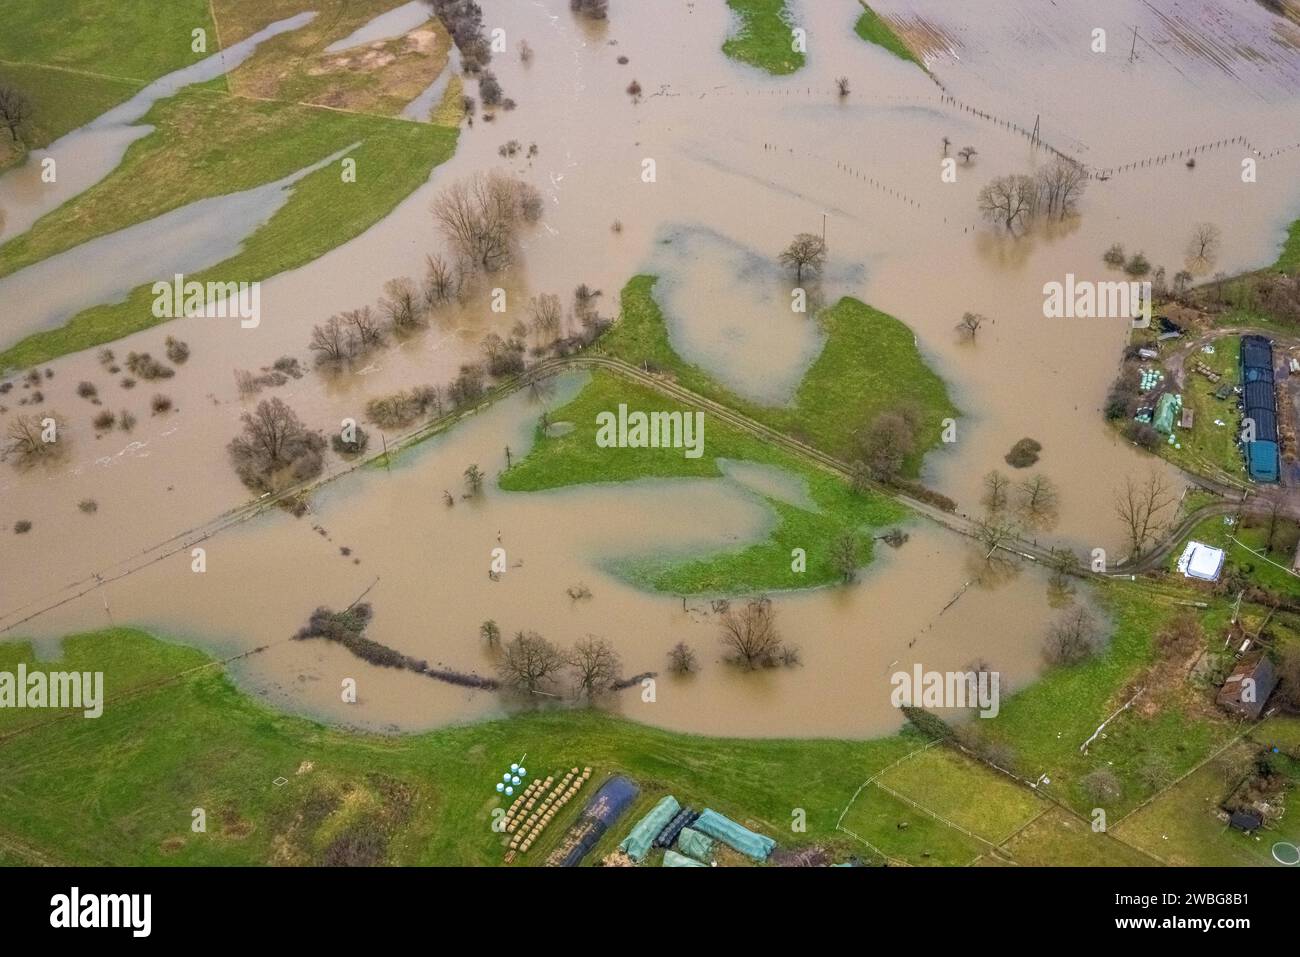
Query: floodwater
[[85, 156], [750, 160], [387, 26]]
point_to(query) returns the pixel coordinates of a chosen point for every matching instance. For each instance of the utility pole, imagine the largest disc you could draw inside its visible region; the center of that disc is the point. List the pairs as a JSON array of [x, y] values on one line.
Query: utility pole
[[1133, 50], [823, 227]]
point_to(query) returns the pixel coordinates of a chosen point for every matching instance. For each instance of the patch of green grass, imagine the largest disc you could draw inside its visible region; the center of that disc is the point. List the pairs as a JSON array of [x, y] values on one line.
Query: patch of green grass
[[140, 41], [1058, 838], [763, 37], [61, 102], [1289, 259], [1208, 448], [869, 364], [872, 28], [1249, 555], [121, 788], [575, 459], [943, 779], [1046, 723], [904, 833], [1181, 826], [190, 156]]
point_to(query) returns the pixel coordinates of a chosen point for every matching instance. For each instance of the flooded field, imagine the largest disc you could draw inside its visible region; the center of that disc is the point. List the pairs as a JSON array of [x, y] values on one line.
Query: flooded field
[[742, 162]]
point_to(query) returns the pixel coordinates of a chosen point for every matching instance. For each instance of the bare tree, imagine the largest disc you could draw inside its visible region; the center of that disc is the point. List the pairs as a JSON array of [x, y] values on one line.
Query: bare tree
[[842, 85], [845, 557], [1037, 496], [530, 662], [473, 481], [400, 304], [995, 490], [681, 659], [1203, 247], [967, 153], [547, 313], [1008, 200], [994, 534], [888, 443], [15, 109], [595, 666], [1139, 506], [480, 215], [331, 341], [1072, 638], [365, 330], [27, 435], [750, 634], [970, 324], [439, 282], [274, 439], [947, 144], [806, 251], [490, 632], [1061, 183]]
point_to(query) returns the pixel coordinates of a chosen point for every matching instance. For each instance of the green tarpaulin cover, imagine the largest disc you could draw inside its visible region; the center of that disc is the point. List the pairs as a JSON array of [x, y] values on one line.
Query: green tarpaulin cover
[[694, 844], [637, 844], [673, 859], [733, 835]]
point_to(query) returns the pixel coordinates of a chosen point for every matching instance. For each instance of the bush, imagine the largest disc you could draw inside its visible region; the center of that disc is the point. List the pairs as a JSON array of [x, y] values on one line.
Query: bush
[[1114, 256], [22, 527], [353, 448], [1023, 454], [88, 506], [1138, 265], [403, 408], [177, 351], [105, 421], [87, 390], [147, 367], [1143, 435], [160, 403], [126, 421]]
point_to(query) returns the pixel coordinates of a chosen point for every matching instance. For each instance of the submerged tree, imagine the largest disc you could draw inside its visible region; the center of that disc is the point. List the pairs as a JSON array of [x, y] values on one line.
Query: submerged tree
[[805, 252], [750, 634], [530, 662], [595, 665]]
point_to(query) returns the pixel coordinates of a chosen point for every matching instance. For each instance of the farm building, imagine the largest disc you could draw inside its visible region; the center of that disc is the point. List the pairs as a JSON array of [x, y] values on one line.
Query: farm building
[[1259, 406], [1246, 690]]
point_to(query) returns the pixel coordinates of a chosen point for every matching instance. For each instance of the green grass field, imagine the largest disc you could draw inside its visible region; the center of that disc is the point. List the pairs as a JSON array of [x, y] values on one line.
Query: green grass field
[[121, 788], [763, 37], [869, 364], [176, 735], [575, 459], [1209, 448], [138, 41], [873, 29]]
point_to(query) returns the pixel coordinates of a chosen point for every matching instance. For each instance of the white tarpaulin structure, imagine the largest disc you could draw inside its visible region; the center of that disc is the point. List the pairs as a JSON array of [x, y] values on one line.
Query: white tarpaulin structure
[[1201, 561]]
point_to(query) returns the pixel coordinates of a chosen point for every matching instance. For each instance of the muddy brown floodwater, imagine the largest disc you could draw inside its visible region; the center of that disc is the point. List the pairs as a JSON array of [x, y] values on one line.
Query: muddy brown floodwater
[[742, 160]]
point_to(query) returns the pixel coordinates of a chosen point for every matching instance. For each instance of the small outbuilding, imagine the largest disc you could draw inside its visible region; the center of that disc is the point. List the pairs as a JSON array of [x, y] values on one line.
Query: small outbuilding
[[1246, 690], [1201, 561]]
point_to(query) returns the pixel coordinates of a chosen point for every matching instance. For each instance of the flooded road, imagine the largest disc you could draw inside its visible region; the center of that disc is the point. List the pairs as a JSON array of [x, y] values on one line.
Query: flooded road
[[745, 161]]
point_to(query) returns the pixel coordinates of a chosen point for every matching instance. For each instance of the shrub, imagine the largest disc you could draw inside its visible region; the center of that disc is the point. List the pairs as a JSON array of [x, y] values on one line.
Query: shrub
[[1023, 454], [177, 351], [160, 403], [147, 367], [105, 421], [126, 421], [353, 448], [22, 527], [87, 390], [634, 88], [88, 506], [1138, 265], [1142, 434], [1114, 256]]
